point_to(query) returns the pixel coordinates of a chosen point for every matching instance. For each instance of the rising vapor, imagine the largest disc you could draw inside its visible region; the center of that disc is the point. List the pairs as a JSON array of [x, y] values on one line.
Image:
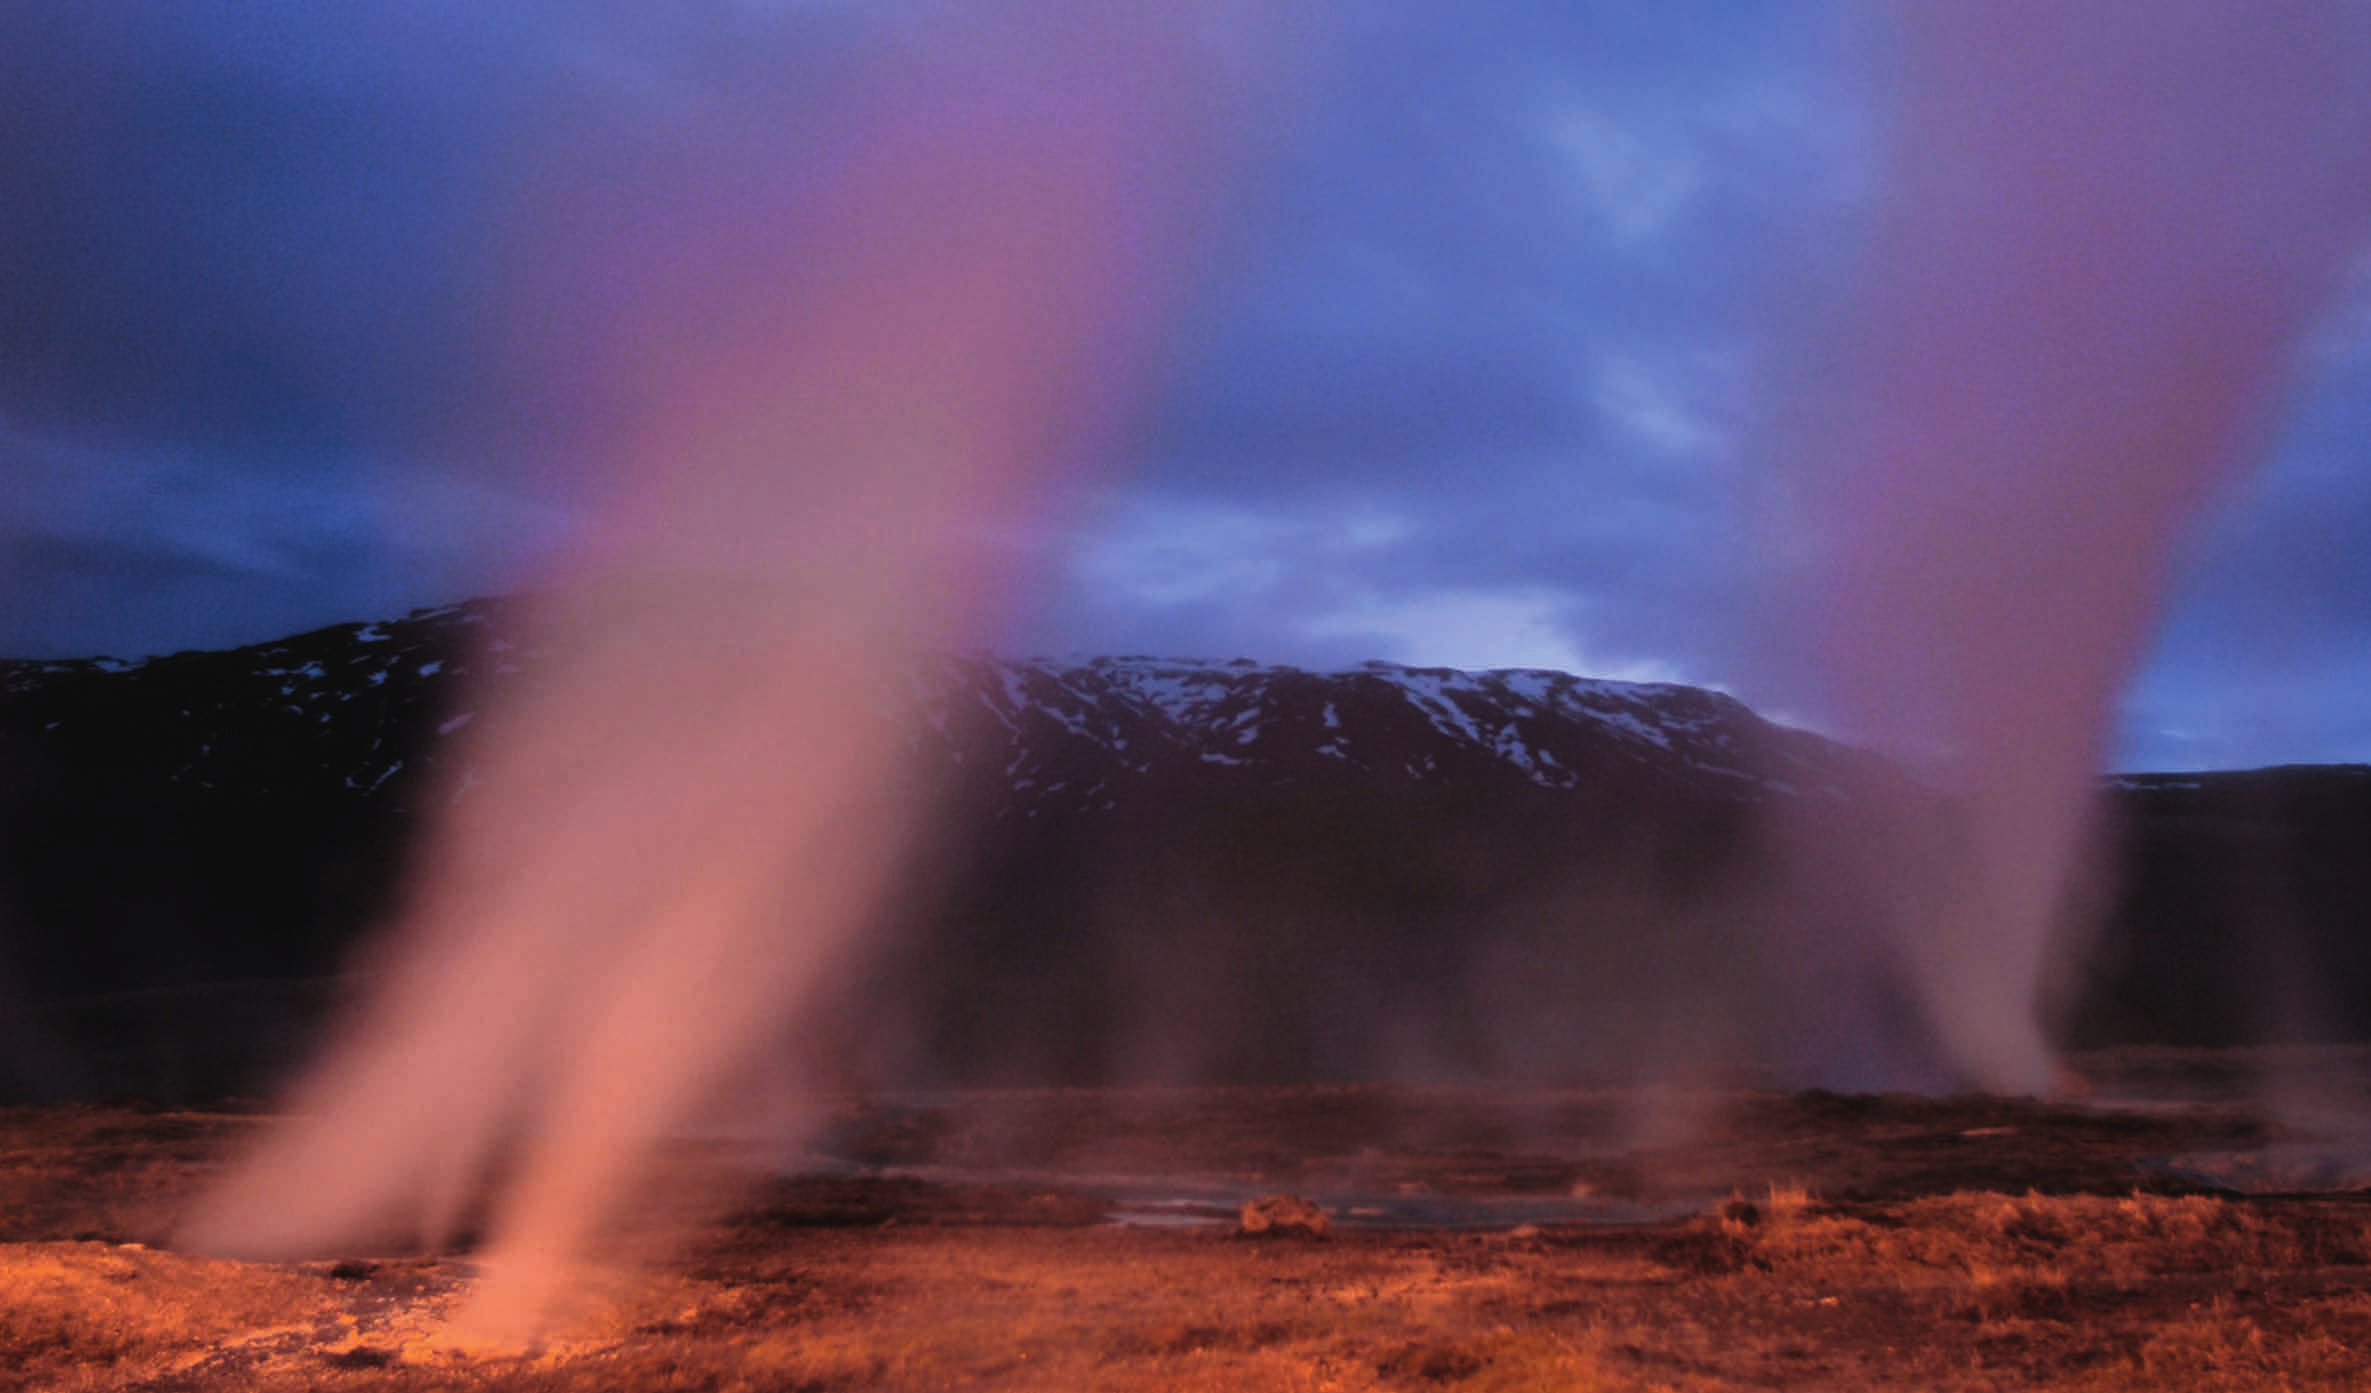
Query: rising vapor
[[2105, 228], [669, 838]]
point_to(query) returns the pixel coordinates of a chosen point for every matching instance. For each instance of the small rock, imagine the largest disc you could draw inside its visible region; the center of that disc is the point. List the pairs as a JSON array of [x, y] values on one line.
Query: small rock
[[1282, 1216]]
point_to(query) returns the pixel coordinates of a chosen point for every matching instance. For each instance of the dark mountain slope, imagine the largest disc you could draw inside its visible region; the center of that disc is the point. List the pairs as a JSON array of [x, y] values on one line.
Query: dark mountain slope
[[1142, 868]]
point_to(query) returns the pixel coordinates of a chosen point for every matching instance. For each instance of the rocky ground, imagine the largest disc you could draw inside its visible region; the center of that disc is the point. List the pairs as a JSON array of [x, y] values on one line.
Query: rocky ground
[[2168, 1232]]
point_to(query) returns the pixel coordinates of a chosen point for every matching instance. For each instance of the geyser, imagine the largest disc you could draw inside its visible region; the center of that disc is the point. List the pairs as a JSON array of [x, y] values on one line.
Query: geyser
[[2103, 230], [829, 395]]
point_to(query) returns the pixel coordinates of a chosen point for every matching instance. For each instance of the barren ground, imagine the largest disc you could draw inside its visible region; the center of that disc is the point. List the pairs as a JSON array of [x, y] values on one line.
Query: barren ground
[[1551, 1240]]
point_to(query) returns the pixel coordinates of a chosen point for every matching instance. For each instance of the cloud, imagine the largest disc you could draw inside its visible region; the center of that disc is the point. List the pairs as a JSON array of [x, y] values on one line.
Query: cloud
[[1157, 557], [1647, 405], [1473, 629], [133, 548], [1635, 180], [1492, 349], [220, 226]]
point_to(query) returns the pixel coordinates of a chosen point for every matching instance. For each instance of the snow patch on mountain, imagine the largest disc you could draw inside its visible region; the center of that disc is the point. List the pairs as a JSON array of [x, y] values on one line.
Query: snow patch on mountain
[[1061, 736]]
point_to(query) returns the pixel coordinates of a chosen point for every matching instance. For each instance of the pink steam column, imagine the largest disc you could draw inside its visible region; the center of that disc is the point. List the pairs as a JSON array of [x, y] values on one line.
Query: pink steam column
[[2106, 228], [673, 833]]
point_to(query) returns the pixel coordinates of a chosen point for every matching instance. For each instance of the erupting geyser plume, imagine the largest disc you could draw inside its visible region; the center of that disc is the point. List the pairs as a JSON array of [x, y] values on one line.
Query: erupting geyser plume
[[2105, 228], [830, 383]]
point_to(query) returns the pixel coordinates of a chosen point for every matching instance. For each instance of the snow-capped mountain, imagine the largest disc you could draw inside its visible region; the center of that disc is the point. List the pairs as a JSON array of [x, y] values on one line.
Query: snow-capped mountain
[[249, 814], [1142, 868], [366, 710], [1076, 735]]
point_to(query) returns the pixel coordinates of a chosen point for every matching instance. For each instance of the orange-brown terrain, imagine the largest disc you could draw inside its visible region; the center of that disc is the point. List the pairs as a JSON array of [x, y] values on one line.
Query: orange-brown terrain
[[1088, 1239]]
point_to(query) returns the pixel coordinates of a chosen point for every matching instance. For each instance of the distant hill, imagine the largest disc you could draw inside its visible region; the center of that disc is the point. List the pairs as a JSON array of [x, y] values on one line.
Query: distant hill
[[1143, 868]]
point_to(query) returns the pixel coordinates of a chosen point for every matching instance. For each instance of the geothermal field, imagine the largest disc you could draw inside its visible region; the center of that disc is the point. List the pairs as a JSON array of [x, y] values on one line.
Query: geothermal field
[[2163, 1234], [715, 964]]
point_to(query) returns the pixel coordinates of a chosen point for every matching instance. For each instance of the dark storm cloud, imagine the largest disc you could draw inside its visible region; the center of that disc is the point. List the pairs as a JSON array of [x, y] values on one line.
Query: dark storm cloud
[[1503, 287], [1480, 201], [1523, 292], [179, 599], [290, 249], [306, 314], [235, 277], [227, 225], [312, 226]]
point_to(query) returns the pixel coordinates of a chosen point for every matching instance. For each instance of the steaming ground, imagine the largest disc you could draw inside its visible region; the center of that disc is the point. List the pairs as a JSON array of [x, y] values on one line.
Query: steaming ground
[[973, 1240]]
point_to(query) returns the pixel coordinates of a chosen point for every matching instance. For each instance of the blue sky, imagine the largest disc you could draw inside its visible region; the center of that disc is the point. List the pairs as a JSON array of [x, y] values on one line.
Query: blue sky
[[1481, 362]]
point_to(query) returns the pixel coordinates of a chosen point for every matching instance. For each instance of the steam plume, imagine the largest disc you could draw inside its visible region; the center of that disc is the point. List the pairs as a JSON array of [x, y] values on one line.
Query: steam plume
[[672, 834], [2106, 226]]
